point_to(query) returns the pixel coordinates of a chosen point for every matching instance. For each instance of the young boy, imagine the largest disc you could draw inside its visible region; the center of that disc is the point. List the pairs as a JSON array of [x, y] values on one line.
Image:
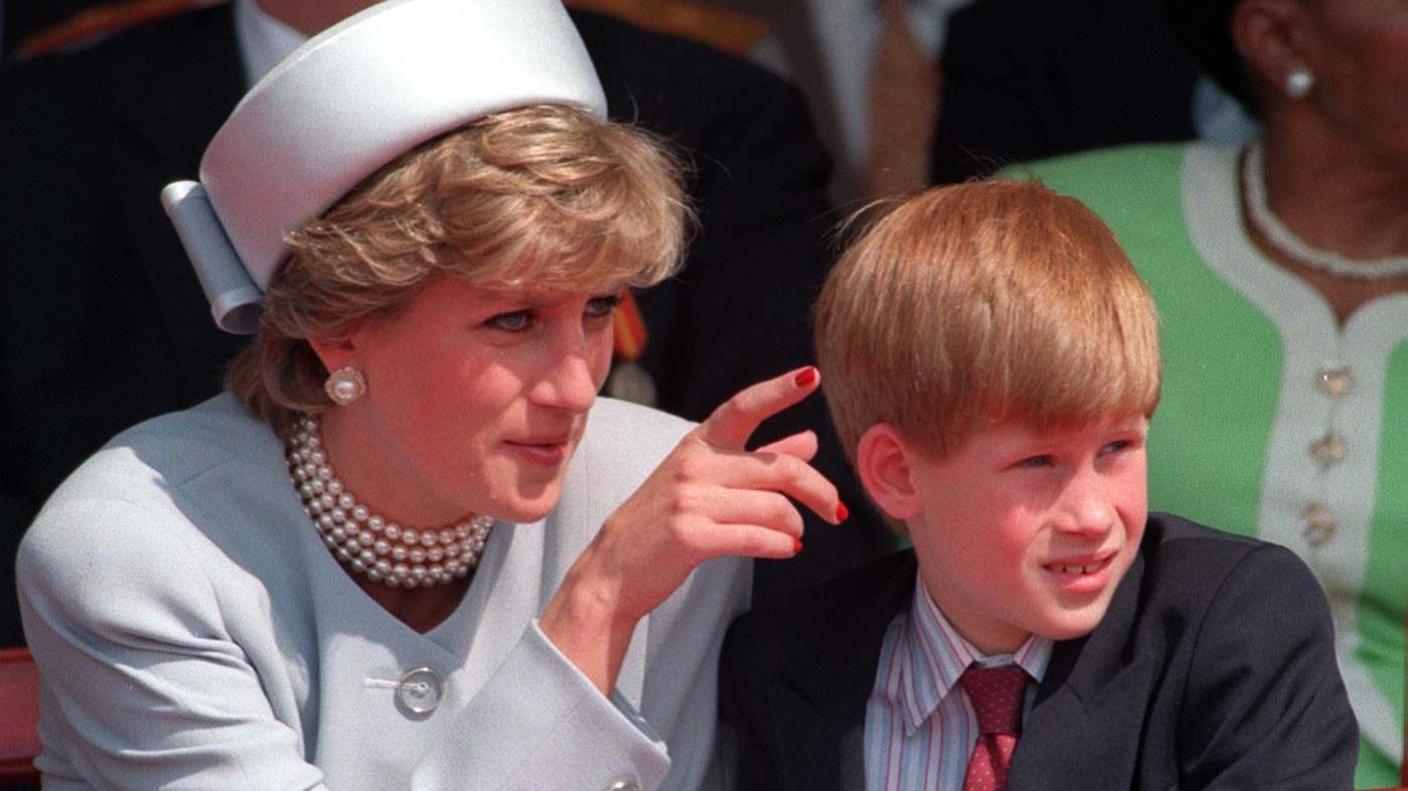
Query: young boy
[[991, 363]]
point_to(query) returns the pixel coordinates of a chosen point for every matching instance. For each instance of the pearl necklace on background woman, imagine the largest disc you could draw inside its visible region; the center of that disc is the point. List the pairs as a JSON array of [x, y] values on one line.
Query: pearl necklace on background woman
[[1261, 216], [368, 543]]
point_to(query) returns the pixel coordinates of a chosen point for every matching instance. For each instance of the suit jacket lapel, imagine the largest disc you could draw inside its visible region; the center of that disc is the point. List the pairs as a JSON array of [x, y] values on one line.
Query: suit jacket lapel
[[819, 705], [817, 751], [1084, 729], [167, 105]]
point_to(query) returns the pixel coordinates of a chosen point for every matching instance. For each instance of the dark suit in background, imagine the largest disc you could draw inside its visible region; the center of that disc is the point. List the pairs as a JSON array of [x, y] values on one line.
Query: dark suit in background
[[1028, 80], [103, 324], [1214, 667]]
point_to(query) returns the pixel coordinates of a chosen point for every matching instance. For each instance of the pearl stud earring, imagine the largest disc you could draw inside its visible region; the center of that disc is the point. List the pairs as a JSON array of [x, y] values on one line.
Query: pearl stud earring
[[345, 385], [1299, 83]]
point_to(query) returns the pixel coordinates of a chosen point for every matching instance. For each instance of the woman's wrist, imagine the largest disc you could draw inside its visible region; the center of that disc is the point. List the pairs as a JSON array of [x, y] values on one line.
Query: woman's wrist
[[585, 621]]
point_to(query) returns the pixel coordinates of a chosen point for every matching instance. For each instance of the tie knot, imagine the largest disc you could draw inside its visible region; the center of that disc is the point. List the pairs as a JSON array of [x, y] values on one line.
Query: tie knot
[[997, 696]]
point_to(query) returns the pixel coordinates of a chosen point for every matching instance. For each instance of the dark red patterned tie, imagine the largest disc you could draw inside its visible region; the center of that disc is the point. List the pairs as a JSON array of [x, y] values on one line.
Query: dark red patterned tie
[[997, 695]]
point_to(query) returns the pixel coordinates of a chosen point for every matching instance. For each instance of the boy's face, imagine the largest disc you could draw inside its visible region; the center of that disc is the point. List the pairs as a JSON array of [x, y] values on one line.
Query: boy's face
[[1025, 532]]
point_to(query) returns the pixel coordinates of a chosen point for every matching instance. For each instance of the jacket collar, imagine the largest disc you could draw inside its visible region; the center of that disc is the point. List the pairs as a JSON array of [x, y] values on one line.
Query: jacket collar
[[1087, 705], [819, 705], [1089, 708]]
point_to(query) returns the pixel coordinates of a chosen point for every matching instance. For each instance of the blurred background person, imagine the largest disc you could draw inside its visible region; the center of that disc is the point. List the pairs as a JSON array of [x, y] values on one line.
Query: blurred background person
[[912, 92], [1033, 80], [870, 72], [1280, 268]]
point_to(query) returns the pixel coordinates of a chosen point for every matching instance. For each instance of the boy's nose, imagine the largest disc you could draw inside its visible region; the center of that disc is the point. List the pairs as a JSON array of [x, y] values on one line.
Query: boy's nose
[[1087, 508]]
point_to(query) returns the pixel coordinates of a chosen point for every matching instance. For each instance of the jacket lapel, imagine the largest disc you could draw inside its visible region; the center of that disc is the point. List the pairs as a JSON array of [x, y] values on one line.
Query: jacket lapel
[[817, 749], [1085, 729], [819, 705]]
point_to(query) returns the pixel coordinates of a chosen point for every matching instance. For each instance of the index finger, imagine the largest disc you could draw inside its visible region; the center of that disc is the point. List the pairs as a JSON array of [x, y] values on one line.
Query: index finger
[[736, 419]]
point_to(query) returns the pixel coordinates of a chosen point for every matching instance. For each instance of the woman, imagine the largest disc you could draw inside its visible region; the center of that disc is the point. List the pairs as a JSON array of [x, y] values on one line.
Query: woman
[[409, 549], [1281, 273]]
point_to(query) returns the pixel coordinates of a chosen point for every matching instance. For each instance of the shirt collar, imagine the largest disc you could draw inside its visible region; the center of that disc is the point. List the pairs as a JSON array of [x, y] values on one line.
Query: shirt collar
[[934, 655], [264, 41]]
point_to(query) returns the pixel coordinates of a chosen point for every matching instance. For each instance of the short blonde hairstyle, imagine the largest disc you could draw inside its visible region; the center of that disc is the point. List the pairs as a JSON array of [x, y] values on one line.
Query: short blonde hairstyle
[[544, 196], [984, 303]]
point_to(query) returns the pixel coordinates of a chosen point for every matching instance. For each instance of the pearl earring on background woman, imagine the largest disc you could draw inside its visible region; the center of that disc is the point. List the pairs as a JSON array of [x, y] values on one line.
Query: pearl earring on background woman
[[345, 385], [1299, 82]]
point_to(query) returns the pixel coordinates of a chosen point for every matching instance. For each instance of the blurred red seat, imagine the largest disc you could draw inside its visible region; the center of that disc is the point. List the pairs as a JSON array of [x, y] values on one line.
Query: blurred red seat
[[19, 716]]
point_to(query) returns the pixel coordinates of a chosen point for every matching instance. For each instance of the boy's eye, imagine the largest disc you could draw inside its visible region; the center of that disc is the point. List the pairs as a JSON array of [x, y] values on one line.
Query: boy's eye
[[602, 306], [1116, 446], [514, 321], [1035, 462]]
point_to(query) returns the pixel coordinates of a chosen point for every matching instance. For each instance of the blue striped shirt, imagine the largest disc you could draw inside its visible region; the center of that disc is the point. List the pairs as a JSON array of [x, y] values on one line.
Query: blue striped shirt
[[919, 725]]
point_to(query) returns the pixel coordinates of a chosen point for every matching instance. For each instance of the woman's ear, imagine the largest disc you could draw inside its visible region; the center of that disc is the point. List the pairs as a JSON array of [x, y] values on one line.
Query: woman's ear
[[884, 466], [335, 354], [1274, 38]]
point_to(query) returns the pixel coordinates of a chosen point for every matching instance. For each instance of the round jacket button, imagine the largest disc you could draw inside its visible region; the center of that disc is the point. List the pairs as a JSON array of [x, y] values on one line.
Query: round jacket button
[[420, 690], [1328, 451], [1335, 381], [1320, 524]]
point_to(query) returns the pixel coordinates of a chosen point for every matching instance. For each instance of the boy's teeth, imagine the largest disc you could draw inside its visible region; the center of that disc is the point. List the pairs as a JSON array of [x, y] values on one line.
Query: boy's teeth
[[1076, 569]]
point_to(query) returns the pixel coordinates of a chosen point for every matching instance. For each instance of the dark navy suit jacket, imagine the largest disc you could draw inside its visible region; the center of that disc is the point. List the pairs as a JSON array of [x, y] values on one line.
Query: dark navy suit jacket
[[1214, 668]]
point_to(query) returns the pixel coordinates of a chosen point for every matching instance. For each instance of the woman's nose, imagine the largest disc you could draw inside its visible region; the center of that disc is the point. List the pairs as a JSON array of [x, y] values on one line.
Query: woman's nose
[[568, 383]]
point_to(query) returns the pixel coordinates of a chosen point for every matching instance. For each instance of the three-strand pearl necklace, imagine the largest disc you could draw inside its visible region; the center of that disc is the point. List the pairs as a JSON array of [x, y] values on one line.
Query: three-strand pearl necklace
[[369, 544]]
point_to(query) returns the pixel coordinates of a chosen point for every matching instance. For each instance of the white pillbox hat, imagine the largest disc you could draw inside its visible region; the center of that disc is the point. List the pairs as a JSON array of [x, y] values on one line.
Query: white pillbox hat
[[346, 103]]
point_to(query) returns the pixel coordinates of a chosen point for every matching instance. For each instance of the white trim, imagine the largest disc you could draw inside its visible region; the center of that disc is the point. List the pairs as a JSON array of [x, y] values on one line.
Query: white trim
[[1259, 214], [1311, 339]]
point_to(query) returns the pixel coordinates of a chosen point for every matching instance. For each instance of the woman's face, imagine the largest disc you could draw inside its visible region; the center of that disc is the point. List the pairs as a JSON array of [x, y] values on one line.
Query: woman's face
[[1361, 71], [476, 399]]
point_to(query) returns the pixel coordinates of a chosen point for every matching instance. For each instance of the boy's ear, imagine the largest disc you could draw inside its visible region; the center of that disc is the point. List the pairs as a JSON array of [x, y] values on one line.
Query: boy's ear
[[884, 466]]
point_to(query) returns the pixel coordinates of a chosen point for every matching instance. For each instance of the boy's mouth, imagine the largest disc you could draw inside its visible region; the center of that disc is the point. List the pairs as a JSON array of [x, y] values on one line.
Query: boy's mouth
[[1080, 566], [1064, 569]]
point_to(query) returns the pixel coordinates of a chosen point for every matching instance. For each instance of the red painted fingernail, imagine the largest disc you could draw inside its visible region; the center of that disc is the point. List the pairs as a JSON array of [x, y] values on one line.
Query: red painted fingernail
[[842, 512], [796, 545], [806, 378]]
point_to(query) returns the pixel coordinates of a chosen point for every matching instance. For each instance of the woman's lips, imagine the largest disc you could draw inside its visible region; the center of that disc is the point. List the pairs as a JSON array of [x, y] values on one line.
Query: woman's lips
[[549, 453]]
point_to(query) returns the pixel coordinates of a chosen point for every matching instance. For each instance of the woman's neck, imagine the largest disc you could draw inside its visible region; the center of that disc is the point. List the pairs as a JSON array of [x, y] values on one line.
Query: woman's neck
[[422, 609], [377, 476], [374, 482], [1333, 191]]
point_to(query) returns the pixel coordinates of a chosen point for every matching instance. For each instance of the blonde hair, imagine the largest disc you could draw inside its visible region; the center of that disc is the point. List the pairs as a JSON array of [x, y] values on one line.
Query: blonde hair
[[544, 196], [984, 302]]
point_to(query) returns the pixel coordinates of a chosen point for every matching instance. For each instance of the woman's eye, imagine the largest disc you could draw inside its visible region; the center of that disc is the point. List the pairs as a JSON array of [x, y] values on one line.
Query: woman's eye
[[602, 306], [517, 321]]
